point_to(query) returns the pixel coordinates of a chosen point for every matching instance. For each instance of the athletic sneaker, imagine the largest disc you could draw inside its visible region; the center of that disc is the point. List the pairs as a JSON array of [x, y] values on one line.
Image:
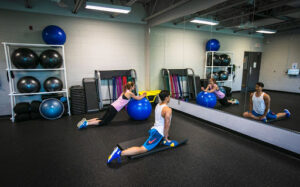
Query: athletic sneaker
[[236, 101], [116, 154], [288, 114], [171, 143], [82, 123]]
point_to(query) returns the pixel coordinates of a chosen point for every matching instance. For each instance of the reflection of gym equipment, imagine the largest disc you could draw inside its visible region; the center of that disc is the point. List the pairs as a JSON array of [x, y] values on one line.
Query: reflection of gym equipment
[[110, 84], [206, 99], [180, 82], [151, 95], [218, 65], [141, 140]]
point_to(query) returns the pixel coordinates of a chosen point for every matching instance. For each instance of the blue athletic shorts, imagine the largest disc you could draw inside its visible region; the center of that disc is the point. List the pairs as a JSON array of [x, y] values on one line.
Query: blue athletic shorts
[[270, 115], [154, 138]]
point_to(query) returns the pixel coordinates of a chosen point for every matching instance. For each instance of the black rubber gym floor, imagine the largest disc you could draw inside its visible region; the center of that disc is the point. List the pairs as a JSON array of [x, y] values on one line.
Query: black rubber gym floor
[[55, 153]]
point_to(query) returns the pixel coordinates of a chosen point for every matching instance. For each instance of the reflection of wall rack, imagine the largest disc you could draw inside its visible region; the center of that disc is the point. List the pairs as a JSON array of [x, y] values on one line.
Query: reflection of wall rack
[[12, 71], [108, 76], [210, 70], [186, 81]]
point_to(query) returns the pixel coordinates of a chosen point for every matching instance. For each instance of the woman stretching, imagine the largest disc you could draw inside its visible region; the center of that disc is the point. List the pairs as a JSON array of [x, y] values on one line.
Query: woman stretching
[[212, 87], [113, 108]]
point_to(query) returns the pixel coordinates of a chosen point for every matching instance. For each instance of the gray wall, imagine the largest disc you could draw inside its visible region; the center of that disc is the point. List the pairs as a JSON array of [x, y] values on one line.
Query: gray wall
[[91, 44], [280, 51]]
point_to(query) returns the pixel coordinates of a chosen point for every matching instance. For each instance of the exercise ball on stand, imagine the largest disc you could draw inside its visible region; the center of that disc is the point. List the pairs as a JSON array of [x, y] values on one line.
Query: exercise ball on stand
[[51, 59], [223, 75], [212, 45], [217, 60], [53, 34], [206, 99], [24, 58], [52, 109], [139, 109], [215, 75], [53, 84], [225, 60], [28, 84]]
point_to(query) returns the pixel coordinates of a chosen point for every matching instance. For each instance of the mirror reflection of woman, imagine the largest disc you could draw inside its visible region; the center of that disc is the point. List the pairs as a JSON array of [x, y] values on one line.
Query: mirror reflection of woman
[[212, 87]]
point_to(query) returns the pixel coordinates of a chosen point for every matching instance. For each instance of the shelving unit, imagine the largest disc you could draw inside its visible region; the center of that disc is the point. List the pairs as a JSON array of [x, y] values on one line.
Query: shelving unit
[[11, 69], [211, 69]]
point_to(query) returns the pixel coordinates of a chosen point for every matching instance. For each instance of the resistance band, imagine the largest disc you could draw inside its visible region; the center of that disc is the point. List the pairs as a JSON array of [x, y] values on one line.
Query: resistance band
[[114, 88], [182, 87], [172, 87], [119, 86], [175, 86], [109, 90], [179, 86], [124, 80]]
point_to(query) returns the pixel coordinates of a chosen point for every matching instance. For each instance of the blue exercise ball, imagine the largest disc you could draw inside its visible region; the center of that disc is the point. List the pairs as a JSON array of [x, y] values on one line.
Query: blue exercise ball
[[212, 45], [222, 89], [139, 109], [206, 99], [52, 108], [53, 34]]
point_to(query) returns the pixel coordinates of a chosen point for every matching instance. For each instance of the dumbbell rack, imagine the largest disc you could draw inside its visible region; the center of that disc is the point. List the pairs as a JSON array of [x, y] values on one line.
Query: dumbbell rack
[[210, 69], [11, 69]]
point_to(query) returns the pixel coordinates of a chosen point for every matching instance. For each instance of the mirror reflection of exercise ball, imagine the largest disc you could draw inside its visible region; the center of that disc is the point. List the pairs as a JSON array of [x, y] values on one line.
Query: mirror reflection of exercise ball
[[225, 60], [212, 45], [206, 99], [217, 60], [28, 84], [53, 84], [222, 89], [215, 76], [50, 59], [223, 75], [24, 58]]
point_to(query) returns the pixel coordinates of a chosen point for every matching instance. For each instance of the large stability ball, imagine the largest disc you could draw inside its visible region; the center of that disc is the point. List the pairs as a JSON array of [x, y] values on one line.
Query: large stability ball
[[50, 59], [53, 84], [225, 60], [212, 45], [223, 75], [139, 109], [206, 99], [24, 58], [28, 84], [52, 108], [222, 89], [53, 34]]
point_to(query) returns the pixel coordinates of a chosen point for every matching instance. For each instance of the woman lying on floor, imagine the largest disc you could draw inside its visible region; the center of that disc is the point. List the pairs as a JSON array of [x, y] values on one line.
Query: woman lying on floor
[[113, 108]]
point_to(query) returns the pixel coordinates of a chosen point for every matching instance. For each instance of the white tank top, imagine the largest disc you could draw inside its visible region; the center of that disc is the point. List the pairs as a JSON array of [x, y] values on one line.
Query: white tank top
[[259, 105], [159, 119]]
